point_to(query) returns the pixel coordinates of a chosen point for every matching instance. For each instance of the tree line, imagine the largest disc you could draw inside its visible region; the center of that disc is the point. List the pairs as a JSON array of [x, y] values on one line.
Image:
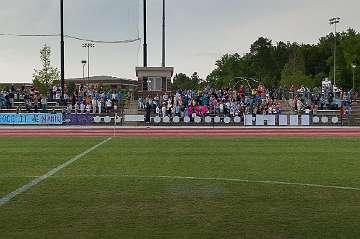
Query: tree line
[[285, 64]]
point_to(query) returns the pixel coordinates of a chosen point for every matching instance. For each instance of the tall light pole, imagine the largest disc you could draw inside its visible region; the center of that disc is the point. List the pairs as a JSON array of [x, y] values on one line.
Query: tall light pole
[[62, 50], [83, 62], [335, 21], [88, 46], [145, 34], [353, 66], [163, 36]]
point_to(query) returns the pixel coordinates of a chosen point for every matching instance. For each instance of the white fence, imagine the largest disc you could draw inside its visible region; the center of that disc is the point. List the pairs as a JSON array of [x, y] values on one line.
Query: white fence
[[246, 120]]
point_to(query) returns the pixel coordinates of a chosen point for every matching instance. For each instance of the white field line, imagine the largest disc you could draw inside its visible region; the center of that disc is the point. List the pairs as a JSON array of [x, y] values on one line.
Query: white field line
[[51, 173], [269, 182]]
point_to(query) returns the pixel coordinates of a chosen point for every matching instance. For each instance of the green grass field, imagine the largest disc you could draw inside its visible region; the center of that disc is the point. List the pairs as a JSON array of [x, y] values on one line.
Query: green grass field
[[115, 191]]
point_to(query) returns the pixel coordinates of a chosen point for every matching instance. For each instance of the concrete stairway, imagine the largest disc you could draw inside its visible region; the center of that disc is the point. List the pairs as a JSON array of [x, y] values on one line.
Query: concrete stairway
[[131, 108], [354, 119]]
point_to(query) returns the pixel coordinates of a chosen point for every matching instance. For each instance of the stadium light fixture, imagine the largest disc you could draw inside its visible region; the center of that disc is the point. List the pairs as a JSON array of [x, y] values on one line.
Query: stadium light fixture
[[88, 46], [334, 21]]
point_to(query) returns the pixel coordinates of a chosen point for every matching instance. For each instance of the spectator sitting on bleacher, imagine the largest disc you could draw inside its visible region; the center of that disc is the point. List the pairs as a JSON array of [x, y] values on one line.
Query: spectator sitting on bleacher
[[44, 104]]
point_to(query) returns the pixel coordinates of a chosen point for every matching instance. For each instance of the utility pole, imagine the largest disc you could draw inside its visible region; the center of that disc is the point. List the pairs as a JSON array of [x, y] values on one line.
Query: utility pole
[[145, 39], [62, 44], [335, 21], [163, 36]]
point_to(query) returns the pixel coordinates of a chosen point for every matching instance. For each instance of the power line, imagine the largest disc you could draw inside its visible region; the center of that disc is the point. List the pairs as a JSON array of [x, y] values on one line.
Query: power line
[[74, 38], [104, 42], [29, 35]]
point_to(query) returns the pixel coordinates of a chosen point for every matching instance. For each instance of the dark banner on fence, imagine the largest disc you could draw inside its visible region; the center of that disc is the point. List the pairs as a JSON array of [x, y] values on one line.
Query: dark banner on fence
[[78, 119]]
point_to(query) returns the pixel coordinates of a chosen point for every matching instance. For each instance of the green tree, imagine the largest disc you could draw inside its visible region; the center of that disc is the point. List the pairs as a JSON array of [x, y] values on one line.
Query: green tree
[[264, 63], [287, 63], [48, 75], [228, 70], [293, 73], [281, 56], [182, 82]]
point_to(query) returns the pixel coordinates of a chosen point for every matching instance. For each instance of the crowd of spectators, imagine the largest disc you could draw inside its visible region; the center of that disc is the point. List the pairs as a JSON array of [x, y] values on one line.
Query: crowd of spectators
[[221, 102], [23, 99], [84, 100], [302, 100], [94, 100], [246, 100], [224, 102]]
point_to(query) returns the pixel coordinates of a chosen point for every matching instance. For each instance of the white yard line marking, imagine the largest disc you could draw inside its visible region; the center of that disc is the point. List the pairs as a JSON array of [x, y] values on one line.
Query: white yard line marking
[[210, 179], [51, 173], [240, 181]]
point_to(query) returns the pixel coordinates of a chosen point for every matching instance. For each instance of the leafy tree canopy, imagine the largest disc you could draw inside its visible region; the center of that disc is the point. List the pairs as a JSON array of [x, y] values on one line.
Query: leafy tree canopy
[[48, 75], [287, 64]]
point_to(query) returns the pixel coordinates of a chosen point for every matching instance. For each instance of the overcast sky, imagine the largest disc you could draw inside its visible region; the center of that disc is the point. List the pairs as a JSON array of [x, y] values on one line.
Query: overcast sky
[[198, 31]]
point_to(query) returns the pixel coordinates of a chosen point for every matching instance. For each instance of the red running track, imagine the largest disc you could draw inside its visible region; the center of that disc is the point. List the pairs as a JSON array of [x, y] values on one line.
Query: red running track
[[176, 132]]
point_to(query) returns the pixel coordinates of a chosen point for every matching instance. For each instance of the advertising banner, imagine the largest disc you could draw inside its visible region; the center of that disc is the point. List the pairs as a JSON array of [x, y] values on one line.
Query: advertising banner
[[283, 120], [134, 118], [260, 120], [78, 119], [294, 120], [305, 120], [271, 120], [248, 121], [31, 119]]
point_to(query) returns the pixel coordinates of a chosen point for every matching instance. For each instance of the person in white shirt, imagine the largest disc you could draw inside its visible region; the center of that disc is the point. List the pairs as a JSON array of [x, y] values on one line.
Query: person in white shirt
[[157, 110], [76, 108], [163, 110], [69, 109], [88, 109], [57, 96], [165, 97], [54, 90], [44, 104], [94, 103], [82, 108], [100, 106], [108, 105]]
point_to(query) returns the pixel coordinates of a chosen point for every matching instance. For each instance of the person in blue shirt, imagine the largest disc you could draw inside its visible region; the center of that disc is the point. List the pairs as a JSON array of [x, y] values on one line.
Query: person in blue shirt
[[120, 95]]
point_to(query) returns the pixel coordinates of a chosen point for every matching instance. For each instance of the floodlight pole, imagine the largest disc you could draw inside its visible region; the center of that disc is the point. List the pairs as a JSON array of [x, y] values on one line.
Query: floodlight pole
[[62, 44], [335, 56], [145, 39], [335, 21], [88, 46], [163, 36]]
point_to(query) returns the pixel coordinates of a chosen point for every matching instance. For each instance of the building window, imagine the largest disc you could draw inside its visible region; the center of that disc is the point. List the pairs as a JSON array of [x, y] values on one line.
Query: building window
[[154, 84]]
